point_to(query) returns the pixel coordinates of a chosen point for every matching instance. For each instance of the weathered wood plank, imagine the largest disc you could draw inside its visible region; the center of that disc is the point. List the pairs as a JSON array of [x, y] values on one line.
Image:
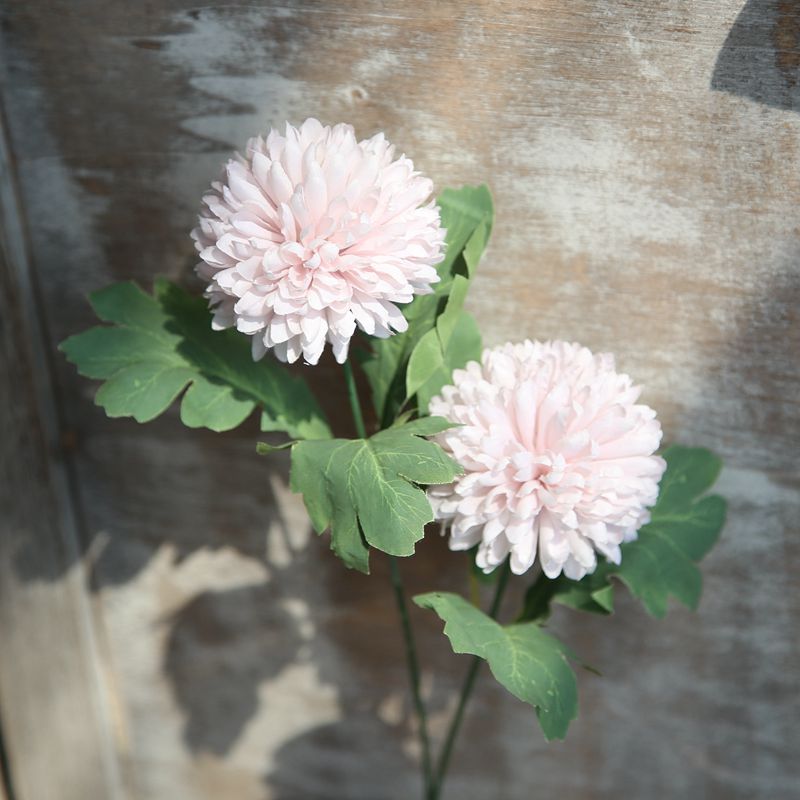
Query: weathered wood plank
[[53, 707], [5, 777], [644, 162]]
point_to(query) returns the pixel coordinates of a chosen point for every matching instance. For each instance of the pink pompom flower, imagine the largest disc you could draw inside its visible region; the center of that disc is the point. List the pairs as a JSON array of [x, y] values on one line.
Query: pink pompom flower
[[558, 458], [312, 233]]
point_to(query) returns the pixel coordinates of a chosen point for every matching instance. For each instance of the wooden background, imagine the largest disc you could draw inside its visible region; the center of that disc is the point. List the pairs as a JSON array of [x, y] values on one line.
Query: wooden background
[[169, 627]]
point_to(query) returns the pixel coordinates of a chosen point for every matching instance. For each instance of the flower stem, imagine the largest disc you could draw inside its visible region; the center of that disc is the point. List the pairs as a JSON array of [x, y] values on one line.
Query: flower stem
[[352, 396], [466, 691], [414, 679], [412, 662]]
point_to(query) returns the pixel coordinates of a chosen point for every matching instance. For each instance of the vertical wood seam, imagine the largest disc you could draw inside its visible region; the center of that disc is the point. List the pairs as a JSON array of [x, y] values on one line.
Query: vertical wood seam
[[60, 470], [6, 787]]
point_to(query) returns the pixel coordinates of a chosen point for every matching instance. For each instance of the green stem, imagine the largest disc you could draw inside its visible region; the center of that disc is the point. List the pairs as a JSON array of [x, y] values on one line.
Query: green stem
[[352, 396], [402, 606], [466, 691], [414, 678]]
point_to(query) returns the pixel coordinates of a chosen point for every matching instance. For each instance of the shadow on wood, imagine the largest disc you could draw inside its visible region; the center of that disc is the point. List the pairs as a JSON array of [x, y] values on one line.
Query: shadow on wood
[[761, 55]]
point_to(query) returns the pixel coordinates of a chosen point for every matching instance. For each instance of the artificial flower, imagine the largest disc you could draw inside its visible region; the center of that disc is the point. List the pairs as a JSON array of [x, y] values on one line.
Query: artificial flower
[[558, 458], [311, 234]]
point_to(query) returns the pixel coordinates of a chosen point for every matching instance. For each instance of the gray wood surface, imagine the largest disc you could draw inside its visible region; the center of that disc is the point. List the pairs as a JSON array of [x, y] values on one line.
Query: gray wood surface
[[54, 708], [644, 162]]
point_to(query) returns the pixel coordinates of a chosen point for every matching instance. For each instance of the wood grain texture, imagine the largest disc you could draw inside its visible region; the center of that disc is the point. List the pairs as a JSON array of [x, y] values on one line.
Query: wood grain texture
[[644, 162], [5, 777], [54, 710]]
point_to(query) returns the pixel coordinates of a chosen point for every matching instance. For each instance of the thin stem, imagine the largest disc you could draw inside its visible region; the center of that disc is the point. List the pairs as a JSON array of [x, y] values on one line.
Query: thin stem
[[414, 678], [402, 607], [466, 691], [352, 396]]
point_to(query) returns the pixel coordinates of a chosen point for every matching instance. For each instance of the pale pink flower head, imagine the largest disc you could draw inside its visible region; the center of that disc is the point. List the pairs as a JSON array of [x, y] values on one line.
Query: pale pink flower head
[[557, 457], [312, 233]]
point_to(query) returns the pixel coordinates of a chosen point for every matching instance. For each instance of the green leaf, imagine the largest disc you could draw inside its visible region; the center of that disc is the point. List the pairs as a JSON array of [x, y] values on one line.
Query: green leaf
[[385, 363], [464, 345], [434, 357], [662, 561], [159, 344], [206, 404], [142, 390], [467, 214], [368, 490], [426, 426], [691, 471], [426, 360], [267, 449], [530, 663], [592, 594]]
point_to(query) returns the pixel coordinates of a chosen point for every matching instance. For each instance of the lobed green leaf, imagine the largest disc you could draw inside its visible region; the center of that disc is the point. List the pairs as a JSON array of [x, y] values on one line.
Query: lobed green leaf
[[367, 491], [160, 344], [662, 561]]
